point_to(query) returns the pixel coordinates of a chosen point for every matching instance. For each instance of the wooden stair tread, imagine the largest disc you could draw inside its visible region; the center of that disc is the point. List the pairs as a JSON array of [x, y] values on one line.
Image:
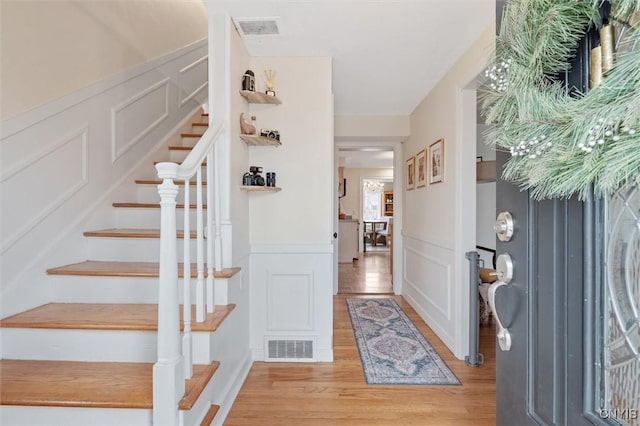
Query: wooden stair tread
[[107, 316], [200, 124], [158, 182], [150, 205], [191, 135], [211, 414], [89, 384], [132, 233], [128, 269], [180, 148]]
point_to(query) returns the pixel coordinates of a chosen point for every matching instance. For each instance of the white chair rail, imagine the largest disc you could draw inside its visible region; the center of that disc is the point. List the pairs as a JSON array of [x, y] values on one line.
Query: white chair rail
[[175, 359]]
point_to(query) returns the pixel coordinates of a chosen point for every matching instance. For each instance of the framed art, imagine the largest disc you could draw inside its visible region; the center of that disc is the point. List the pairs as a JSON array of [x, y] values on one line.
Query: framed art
[[342, 188], [410, 172], [436, 160], [421, 168]]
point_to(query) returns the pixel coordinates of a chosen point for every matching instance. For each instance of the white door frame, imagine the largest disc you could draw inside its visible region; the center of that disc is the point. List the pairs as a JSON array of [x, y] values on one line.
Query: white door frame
[[398, 188], [465, 239]]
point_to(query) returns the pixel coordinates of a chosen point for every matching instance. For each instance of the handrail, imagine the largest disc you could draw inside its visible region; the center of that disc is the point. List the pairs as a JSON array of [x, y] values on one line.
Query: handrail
[[175, 358]]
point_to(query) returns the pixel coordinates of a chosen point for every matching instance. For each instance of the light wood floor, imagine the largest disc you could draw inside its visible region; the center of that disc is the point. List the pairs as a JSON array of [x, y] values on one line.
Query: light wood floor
[[370, 274], [337, 394]]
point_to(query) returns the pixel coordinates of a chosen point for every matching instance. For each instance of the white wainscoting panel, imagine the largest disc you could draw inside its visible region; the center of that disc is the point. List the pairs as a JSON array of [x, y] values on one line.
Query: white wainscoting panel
[[290, 301], [292, 296], [41, 195], [134, 118], [428, 285], [192, 80]]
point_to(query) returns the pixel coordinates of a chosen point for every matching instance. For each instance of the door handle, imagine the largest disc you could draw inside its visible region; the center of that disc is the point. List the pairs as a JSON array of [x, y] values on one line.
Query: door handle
[[503, 334], [504, 272]]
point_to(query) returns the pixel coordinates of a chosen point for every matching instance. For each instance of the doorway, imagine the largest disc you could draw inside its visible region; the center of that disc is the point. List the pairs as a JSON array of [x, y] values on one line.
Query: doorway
[[368, 177], [476, 214]]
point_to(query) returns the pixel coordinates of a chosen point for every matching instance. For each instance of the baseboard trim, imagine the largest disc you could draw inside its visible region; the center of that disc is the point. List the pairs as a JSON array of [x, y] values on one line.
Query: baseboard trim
[[233, 389]]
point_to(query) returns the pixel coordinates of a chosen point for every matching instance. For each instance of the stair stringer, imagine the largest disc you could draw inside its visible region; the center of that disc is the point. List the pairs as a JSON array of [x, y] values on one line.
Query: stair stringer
[[229, 344]]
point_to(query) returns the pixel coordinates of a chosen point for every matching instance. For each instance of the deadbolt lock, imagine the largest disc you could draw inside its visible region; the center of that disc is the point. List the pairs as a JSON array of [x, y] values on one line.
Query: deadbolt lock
[[504, 226]]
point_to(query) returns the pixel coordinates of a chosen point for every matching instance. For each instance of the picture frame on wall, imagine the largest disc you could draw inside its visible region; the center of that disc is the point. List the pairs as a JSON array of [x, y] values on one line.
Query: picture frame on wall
[[436, 162], [410, 172], [421, 168], [342, 188]]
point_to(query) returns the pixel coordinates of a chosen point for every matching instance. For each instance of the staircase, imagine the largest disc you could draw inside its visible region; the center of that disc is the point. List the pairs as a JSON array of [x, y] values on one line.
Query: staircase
[[88, 357]]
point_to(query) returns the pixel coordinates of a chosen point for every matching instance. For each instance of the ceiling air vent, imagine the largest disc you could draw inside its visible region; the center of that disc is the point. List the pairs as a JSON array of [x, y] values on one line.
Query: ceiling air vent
[[257, 26]]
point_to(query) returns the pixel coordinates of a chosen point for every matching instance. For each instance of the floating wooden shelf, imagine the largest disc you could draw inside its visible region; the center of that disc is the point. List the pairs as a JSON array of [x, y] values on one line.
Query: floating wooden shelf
[[257, 140], [259, 98], [260, 188]]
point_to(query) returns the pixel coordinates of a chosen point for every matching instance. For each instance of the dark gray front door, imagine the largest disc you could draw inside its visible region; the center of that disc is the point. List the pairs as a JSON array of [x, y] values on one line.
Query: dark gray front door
[[540, 378]]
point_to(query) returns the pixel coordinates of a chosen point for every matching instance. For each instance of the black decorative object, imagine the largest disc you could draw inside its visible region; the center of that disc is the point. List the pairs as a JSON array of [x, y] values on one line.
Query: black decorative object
[[271, 178], [253, 178], [249, 81]]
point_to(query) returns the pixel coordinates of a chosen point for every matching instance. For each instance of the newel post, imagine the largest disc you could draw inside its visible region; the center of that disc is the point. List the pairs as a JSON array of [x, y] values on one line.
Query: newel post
[[168, 371]]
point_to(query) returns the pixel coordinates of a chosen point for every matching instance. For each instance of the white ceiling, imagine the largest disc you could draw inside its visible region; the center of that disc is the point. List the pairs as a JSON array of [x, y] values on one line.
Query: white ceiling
[[387, 54]]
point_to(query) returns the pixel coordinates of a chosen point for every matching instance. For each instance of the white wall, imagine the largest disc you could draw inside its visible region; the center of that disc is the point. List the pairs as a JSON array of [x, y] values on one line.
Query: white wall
[[240, 152], [51, 48], [371, 128], [291, 230], [434, 283]]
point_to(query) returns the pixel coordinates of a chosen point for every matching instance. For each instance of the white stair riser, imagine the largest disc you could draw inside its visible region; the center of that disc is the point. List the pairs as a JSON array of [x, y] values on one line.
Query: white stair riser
[[149, 193], [73, 416], [199, 129], [132, 249], [178, 156], [81, 289], [150, 217], [91, 345]]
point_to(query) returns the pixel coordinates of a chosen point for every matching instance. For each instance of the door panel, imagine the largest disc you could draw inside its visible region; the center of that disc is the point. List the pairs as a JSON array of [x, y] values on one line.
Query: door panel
[[540, 379]]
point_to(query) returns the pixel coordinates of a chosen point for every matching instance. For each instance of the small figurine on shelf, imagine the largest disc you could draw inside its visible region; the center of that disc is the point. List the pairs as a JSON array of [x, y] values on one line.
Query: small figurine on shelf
[[246, 128], [271, 75], [249, 81]]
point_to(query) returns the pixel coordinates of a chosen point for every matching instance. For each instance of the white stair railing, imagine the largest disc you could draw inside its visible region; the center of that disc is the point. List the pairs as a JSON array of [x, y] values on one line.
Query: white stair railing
[[175, 358]]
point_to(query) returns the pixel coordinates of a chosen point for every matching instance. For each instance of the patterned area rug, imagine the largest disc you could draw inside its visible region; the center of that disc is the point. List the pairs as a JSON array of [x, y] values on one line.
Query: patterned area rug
[[392, 349]]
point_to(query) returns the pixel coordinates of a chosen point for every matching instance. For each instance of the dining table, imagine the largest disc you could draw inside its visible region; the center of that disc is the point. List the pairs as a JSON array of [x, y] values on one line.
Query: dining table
[[376, 225]]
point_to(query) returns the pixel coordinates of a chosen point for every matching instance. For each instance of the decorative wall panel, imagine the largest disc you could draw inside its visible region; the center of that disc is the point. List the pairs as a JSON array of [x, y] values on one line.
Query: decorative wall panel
[[134, 118]]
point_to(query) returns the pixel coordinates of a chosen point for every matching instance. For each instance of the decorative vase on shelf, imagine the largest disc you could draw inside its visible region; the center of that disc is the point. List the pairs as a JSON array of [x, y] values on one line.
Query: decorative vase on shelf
[[246, 128], [271, 75], [249, 81]]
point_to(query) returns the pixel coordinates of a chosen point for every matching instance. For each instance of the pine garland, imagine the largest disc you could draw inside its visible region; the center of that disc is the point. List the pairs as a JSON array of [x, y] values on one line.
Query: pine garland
[[563, 145]]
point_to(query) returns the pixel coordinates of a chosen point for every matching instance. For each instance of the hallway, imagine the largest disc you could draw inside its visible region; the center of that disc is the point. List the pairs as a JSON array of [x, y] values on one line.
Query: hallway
[[336, 393], [370, 274]]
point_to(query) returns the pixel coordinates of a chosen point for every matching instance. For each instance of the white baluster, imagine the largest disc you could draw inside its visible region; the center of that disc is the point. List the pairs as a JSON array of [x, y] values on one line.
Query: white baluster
[[168, 382], [210, 206], [200, 290], [187, 339], [218, 208]]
